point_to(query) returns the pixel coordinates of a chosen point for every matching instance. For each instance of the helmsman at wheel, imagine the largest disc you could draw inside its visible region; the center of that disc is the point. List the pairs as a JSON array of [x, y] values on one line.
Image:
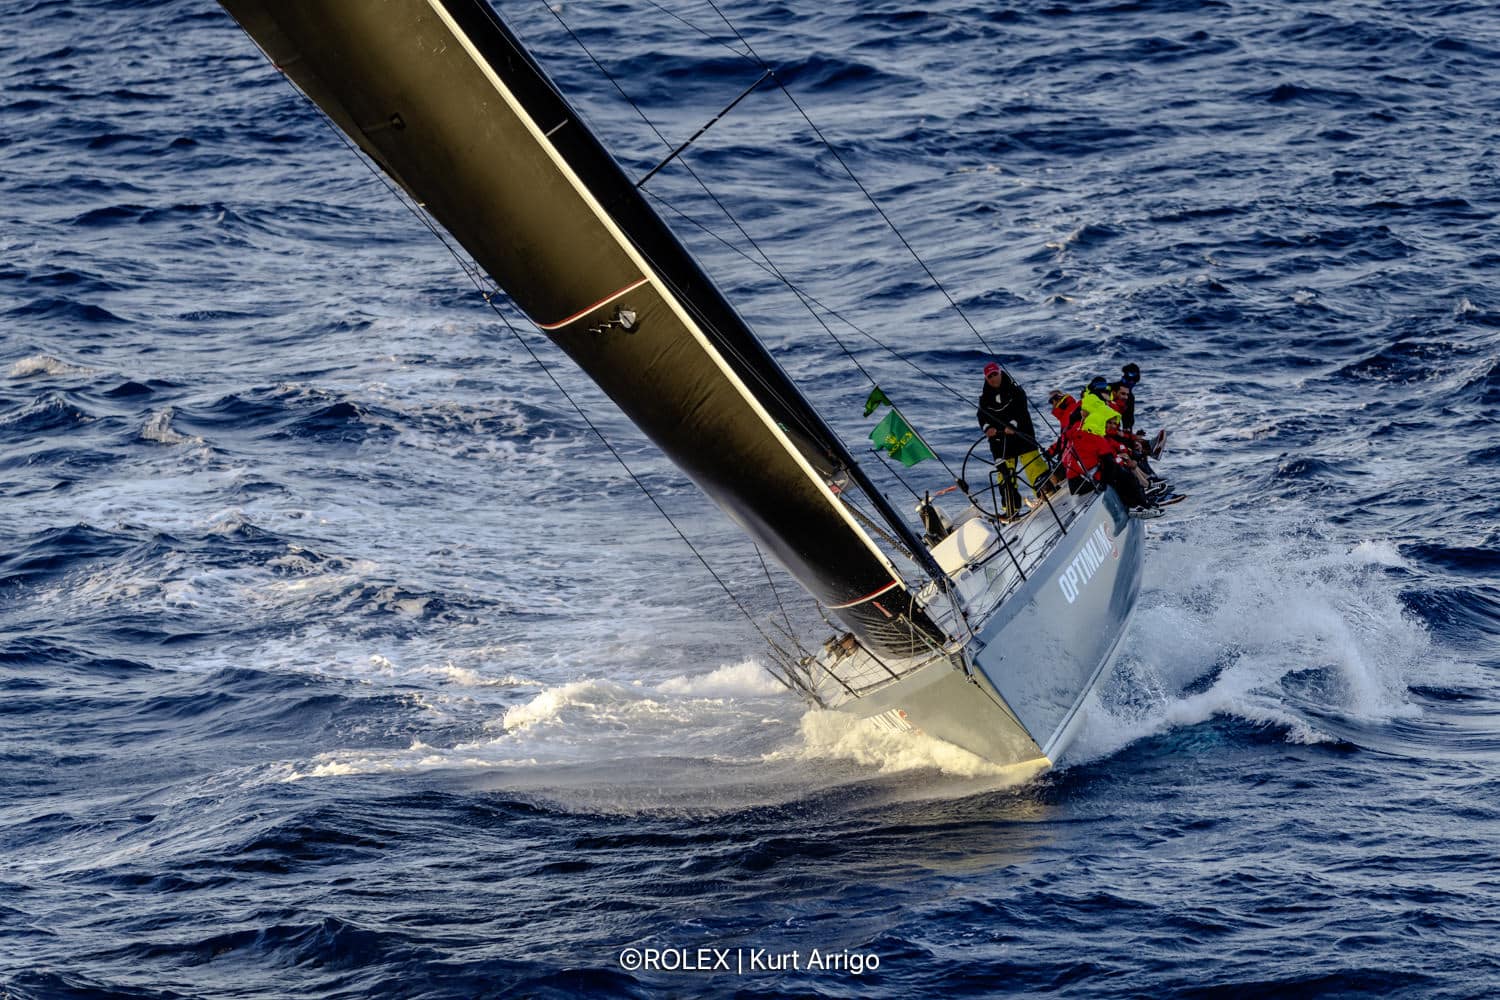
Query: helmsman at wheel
[[1005, 417]]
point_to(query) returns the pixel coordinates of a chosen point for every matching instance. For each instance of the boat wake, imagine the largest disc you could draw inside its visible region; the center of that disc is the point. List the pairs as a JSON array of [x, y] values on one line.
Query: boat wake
[[1275, 627], [1305, 637], [729, 739]]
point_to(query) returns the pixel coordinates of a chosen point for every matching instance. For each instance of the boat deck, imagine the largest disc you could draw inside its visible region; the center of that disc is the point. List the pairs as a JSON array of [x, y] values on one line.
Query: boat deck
[[986, 565]]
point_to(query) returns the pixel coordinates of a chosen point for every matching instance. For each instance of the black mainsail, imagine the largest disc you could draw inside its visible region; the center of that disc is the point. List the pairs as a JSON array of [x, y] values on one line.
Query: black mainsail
[[443, 97]]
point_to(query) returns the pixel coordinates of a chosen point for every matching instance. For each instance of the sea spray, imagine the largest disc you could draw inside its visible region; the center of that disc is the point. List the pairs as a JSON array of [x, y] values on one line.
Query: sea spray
[[1215, 637]]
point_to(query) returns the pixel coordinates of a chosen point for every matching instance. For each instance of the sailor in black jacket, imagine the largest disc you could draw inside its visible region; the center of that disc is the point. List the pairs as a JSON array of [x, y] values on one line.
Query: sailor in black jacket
[[1006, 418], [1125, 401]]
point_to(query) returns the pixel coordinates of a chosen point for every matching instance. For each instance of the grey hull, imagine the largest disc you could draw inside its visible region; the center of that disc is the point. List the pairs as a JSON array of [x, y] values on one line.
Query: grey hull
[[1038, 656]]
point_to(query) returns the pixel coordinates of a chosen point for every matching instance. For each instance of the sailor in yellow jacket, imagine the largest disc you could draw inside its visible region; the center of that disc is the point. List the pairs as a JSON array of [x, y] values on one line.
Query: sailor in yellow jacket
[[1097, 406]]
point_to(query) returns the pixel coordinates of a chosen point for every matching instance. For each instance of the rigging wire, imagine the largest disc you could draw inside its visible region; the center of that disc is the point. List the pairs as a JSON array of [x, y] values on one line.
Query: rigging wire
[[788, 631], [488, 290], [746, 369], [857, 183], [664, 203], [790, 411], [751, 55], [769, 266], [638, 482], [766, 264], [888, 349], [702, 31], [1036, 408], [807, 297]]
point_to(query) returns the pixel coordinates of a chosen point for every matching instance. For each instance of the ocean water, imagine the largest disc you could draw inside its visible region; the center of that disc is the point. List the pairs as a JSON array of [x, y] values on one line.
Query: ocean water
[[338, 659]]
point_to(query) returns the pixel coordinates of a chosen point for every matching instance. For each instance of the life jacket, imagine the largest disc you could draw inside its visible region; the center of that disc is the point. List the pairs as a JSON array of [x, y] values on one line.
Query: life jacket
[[1096, 411]]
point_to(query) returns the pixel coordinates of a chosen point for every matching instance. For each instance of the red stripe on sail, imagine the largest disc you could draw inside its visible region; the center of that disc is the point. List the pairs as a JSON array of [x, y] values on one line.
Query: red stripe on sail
[[867, 597], [588, 309]]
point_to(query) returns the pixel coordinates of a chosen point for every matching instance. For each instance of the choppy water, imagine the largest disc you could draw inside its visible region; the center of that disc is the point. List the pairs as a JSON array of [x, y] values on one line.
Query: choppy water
[[338, 660]]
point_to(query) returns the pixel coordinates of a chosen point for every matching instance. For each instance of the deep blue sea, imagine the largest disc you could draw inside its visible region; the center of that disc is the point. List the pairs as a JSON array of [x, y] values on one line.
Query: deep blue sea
[[339, 659]]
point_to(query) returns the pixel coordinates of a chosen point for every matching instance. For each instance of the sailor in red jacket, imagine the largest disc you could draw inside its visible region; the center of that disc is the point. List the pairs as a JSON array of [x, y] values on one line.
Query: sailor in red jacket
[[1065, 410], [1076, 450], [1118, 470], [1088, 458]]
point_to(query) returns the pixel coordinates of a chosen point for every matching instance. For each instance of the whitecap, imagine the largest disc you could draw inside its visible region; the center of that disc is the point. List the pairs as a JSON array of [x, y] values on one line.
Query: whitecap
[[1379, 553], [158, 428], [1276, 628], [744, 679], [42, 364], [600, 701]]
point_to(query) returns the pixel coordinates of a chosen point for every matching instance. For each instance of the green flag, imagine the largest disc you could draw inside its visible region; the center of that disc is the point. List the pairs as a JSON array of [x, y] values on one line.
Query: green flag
[[876, 400], [899, 441]]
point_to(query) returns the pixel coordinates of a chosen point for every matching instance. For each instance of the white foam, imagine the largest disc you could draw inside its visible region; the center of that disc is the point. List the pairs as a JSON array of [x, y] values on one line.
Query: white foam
[[549, 704], [735, 680], [1379, 553], [419, 757], [829, 735], [469, 677], [42, 364], [720, 716], [158, 428], [1288, 625], [591, 704]]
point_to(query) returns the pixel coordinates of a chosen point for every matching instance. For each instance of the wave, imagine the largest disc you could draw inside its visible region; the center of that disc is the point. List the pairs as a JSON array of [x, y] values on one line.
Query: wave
[[64, 310], [1282, 630], [153, 583], [838, 736], [1468, 615], [29, 654], [735, 724], [158, 429], [45, 364], [39, 984], [291, 411], [735, 680], [602, 703], [115, 215], [1293, 93], [50, 552]]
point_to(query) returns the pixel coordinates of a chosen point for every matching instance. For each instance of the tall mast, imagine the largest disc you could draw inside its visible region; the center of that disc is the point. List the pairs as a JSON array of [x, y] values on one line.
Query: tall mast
[[443, 97]]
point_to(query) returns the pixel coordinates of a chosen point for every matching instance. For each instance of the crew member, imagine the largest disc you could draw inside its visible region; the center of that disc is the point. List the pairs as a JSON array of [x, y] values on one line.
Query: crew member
[[1065, 465], [1097, 405], [1006, 419], [1122, 394], [1105, 459]]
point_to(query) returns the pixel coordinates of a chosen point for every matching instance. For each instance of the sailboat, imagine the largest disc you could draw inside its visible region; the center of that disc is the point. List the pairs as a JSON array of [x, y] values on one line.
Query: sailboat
[[990, 634]]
